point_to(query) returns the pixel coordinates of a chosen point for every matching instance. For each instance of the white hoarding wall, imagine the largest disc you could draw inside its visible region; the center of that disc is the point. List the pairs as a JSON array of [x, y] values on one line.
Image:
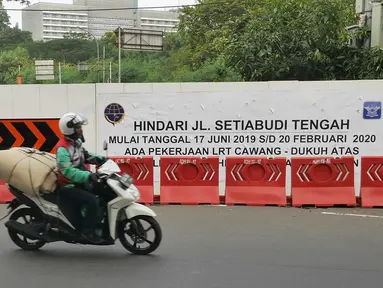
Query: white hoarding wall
[[334, 118], [50, 101], [302, 119]]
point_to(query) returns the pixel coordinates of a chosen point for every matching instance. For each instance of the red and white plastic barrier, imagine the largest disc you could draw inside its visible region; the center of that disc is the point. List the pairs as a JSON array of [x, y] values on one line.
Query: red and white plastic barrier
[[5, 195], [141, 169], [189, 180], [192, 180], [322, 181], [255, 181], [371, 185]]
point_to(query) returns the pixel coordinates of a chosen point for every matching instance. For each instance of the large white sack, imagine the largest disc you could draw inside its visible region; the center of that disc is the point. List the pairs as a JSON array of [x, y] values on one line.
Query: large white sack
[[29, 170]]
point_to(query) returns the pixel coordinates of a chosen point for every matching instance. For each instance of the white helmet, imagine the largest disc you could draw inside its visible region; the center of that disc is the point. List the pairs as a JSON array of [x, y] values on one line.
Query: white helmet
[[69, 121]]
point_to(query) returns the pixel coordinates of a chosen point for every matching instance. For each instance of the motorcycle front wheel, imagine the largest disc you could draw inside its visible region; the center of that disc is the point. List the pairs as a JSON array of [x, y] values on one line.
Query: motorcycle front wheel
[[132, 229]]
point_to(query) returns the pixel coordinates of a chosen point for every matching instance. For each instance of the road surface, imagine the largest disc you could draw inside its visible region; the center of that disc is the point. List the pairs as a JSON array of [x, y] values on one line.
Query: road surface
[[206, 247]]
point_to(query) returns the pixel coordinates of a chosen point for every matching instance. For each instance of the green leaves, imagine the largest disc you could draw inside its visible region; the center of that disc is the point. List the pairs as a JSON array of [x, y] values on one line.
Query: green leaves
[[10, 62], [221, 40], [287, 39], [275, 39], [4, 19]]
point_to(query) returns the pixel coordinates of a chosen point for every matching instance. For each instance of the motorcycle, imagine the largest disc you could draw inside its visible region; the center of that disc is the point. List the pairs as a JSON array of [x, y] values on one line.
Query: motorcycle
[[120, 216]]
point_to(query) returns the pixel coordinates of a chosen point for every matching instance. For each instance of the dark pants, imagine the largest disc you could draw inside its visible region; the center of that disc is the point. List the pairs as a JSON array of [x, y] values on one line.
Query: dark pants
[[74, 198]]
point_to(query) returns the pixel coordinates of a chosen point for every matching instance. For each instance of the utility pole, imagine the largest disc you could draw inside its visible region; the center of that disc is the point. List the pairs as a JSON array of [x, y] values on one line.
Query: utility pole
[[119, 54], [103, 65], [98, 52]]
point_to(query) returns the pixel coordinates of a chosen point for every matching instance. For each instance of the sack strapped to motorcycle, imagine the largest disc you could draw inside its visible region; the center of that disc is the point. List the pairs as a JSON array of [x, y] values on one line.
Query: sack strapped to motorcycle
[[29, 170]]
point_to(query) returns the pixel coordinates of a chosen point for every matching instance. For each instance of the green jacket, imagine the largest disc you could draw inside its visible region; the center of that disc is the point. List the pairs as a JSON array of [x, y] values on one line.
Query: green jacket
[[71, 160]]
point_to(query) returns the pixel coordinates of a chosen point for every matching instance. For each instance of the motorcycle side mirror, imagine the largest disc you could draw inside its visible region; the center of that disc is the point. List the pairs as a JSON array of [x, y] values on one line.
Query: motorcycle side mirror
[[105, 146]]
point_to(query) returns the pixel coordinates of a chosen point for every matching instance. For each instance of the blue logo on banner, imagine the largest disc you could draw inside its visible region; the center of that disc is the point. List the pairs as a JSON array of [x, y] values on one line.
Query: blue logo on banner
[[372, 110], [114, 113]]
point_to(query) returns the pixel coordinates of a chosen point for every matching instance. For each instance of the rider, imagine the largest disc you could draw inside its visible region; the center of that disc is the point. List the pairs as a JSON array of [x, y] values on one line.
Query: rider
[[75, 181]]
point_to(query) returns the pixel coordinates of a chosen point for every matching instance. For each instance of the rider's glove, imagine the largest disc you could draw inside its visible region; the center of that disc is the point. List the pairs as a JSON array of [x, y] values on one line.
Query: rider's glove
[[93, 177]]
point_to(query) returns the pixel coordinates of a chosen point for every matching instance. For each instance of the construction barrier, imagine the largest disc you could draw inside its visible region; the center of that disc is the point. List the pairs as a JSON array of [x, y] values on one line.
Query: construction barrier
[[255, 181], [189, 180], [141, 169], [371, 184], [322, 181], [5, 195]]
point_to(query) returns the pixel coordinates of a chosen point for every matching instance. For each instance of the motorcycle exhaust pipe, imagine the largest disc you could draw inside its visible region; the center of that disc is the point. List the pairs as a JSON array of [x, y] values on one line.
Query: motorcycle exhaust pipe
[[23, 230]]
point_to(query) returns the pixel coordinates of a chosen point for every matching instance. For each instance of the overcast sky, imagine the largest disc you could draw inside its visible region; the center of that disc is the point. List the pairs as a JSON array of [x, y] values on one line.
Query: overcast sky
[[16, 15]]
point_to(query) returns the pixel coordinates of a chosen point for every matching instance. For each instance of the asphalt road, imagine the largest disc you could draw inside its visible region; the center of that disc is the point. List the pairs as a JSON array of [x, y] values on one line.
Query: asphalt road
[[206, 247]]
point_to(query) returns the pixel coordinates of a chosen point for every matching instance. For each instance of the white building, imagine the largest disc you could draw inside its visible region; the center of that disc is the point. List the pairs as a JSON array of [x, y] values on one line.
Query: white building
[[50, 22], [158, 20]]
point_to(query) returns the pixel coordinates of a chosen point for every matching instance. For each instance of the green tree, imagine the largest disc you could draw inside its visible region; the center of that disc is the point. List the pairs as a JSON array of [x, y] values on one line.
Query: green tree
[[63, 50], [10, 61], [109, 39], [4, 19], [291, 40], [13, 37], [205, 29], [270, 39], [210, 71]]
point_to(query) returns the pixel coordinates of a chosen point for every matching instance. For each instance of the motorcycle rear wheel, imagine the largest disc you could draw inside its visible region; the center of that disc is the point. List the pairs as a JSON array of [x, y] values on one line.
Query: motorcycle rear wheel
[[139, 236], [23, 243]]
